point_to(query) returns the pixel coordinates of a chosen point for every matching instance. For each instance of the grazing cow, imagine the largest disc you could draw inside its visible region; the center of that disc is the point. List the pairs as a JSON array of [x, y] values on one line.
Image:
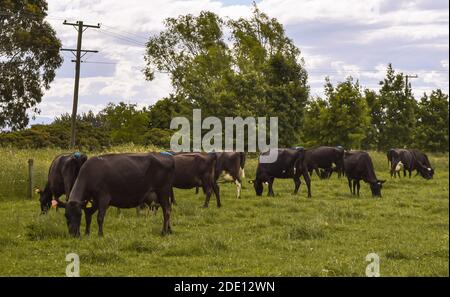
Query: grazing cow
[[62, 174], [323, 157], [358, 166], [422, 159], [123, 181], [410, 163], [289, 164], [197, 170]]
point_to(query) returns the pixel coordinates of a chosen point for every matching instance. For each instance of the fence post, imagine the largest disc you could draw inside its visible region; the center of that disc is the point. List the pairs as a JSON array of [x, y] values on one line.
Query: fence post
[[30, 178]]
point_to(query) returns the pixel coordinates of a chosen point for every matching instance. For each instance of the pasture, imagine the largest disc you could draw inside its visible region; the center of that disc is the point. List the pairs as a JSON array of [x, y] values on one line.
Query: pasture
[[288, 235]]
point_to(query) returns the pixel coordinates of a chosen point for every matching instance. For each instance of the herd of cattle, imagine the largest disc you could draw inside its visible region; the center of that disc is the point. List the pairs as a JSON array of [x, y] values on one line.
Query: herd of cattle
[[131, 180]]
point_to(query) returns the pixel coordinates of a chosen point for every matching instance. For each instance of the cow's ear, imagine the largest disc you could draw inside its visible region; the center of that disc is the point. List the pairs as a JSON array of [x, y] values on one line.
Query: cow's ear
[[382, 181]]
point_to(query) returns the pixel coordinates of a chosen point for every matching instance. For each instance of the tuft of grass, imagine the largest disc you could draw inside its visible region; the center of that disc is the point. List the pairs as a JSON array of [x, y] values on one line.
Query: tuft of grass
[[305, 233], [45, 228], [396, 255]]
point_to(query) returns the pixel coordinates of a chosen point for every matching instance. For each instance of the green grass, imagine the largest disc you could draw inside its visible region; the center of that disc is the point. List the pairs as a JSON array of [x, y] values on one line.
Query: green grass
[[328, 235]]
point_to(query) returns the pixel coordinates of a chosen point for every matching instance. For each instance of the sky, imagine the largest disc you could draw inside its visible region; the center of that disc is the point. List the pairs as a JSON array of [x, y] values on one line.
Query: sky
[[336, 39]]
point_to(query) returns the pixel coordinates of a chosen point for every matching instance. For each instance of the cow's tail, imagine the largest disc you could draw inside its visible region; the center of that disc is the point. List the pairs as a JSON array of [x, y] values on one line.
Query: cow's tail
[[242, 165]]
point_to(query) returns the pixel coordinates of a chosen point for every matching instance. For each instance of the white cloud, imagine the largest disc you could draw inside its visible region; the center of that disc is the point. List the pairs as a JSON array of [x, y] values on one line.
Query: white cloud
[[343, 30]]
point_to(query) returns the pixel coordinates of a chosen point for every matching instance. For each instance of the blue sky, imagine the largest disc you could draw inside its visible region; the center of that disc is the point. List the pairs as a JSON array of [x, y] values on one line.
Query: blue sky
[[337, 38]]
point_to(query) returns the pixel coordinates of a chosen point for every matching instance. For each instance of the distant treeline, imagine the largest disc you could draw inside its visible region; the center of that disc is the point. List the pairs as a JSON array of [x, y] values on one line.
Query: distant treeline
[[346, 116]]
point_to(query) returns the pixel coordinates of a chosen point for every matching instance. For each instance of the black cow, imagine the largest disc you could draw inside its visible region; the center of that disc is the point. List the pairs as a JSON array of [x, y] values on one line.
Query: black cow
[[358, 166], [289, 164], [230, 168], [324, 157], [422, 159], [197, 170], [62, 174], [409, 161], [123, 181]]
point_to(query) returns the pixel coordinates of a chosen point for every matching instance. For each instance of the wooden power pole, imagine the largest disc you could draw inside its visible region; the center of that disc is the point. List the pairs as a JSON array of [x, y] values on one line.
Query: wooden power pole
[[80, 27], [406, 82]]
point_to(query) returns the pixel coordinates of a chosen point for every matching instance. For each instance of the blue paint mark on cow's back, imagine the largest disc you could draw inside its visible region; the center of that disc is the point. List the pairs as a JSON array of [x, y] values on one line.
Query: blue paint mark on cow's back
[[77, 155], [166, 153]]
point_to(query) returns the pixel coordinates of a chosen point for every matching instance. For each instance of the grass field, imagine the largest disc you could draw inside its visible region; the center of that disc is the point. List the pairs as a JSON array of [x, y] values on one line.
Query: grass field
[[328, 235]]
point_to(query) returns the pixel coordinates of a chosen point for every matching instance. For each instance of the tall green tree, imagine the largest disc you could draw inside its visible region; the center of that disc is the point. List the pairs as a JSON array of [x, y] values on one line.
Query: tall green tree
[[432, 124], [260, 74], [397, 121], [29, 56], [341, 119], [125, 123], [376, 116]]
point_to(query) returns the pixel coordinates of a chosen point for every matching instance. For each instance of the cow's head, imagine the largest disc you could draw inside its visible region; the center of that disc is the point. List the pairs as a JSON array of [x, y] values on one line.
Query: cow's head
[[73, 217], [258, 185], [375, 187], [45, 199], [425, 172]]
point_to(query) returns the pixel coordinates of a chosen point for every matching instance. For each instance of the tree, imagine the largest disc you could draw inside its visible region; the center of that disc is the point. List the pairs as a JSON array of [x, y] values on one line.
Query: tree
[[341, 119], [432, 124], [260, 74], [29, 56], [125, 123], [313, 129], [371, 140], [397, 120]]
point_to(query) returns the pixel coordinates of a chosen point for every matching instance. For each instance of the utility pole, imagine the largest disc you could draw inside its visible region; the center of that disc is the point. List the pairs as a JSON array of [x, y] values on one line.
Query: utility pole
[[406, 82], [80, 27]]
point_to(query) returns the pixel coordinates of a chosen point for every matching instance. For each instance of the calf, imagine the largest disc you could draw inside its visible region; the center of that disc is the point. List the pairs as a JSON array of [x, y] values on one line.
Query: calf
[[123, 181], [197, 170], [289, 164], [358, 166], [323, 157], [62, 174], [394, 161]]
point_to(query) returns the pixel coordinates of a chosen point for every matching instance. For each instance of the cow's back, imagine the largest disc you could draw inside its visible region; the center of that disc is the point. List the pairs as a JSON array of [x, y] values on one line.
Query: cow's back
[[125, 178]]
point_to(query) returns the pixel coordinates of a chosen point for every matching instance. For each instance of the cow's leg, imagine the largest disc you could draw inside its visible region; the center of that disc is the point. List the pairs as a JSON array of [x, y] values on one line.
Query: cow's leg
[[316, 169], [216, 190], [88, 212], [238, 183], [270, 192], [307, 181], [404, 172], [208, 191], [410, 172], [164, 201], [358, 186], [297, 183], [103, 203], [354, 187], [172, 197], [350, 184]]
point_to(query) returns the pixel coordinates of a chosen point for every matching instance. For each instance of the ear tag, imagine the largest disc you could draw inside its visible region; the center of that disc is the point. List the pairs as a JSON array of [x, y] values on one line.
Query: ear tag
[[88, 204], [54, 203]]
